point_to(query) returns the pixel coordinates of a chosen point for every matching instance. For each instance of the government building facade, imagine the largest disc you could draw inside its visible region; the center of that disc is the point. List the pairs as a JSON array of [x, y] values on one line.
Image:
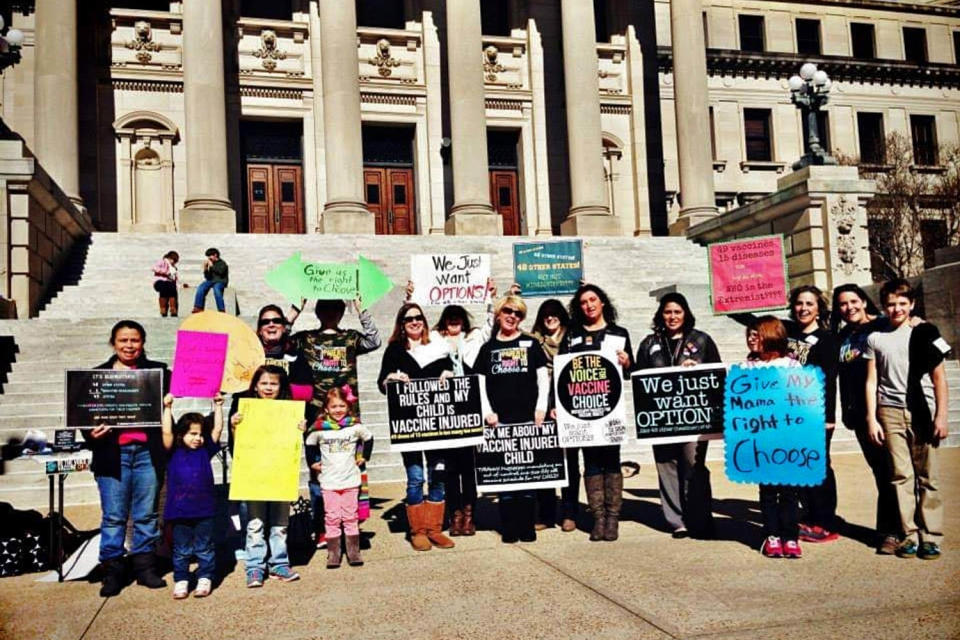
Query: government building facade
[[512, 117]]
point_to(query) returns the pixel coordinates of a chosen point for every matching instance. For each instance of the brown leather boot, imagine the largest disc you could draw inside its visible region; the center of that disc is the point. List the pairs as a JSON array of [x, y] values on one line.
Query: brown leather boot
[[434, 520], [469, 527], [334, 556], [353, 551], [594, 486], [456, 523], [164, 305], [612, 502], [418, 527], [174, 307]]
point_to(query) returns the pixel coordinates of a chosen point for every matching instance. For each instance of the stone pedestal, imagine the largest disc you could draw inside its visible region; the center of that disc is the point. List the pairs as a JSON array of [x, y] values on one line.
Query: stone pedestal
[[590, 224], [346, 217], [474, 223]]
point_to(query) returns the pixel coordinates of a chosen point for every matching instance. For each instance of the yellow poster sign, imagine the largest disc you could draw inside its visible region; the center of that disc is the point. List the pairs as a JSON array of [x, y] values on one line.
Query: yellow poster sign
[[244, 351], [267, 450]]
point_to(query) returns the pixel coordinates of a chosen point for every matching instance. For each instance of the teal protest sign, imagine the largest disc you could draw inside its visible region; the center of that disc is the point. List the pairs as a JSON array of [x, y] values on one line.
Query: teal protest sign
[[295, 279], [774, 425], [548, 268]]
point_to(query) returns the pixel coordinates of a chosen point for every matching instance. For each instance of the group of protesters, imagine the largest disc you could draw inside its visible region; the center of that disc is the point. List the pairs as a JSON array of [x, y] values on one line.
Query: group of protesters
[[889, 368]]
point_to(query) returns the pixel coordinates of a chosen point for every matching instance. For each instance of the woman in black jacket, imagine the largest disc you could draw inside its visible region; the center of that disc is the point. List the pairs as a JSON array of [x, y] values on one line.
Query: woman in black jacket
[[593, 321], [685, 494], [410, 355], [128, 467]]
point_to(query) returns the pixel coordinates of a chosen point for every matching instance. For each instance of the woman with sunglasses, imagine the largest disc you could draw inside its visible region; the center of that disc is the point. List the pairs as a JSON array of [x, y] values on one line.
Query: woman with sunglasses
[[412, 355], [593, 327], [516, 382]]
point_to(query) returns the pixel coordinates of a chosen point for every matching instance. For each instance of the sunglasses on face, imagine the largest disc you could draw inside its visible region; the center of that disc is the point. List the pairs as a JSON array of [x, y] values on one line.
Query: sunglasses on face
[[410, 319], [510, 311], [268, 321]]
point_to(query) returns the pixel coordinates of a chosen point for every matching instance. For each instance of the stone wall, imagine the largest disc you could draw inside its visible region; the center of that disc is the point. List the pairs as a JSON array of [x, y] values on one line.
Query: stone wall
[[821, 212], [38, 227]]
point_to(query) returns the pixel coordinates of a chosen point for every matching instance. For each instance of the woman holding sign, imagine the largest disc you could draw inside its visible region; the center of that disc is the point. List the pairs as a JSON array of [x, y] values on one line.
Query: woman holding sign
[[684, 479], [411, 355], [517, 384], [128, 467], [593, 327]]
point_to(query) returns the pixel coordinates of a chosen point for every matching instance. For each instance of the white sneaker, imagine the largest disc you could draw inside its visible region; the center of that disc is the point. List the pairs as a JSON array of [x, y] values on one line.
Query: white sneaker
[[180, 589], [203, 588]]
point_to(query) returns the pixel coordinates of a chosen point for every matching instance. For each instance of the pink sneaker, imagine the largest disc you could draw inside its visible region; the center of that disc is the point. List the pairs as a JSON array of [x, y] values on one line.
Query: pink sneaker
[[791, 549], [772, 548]]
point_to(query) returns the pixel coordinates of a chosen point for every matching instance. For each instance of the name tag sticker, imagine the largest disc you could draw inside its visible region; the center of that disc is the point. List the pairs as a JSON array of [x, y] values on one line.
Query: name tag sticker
[[941, 344], [654, 349], [526, 343], [811, 339], [575, 341]]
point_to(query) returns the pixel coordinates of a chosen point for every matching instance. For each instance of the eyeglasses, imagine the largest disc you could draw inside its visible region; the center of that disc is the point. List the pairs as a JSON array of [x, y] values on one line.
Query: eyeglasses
[[409, 319], [510, 311], [267, 321]]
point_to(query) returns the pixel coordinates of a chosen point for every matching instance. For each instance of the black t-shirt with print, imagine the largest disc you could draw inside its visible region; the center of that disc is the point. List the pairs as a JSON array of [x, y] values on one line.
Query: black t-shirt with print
[[510, 368]]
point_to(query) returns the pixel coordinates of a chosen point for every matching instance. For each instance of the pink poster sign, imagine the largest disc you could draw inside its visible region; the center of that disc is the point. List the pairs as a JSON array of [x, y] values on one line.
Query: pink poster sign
[[748, 275], [198, 364]]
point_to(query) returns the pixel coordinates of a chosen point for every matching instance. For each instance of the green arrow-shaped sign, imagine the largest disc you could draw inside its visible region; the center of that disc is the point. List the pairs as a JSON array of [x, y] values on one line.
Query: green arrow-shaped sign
[[296, 279]]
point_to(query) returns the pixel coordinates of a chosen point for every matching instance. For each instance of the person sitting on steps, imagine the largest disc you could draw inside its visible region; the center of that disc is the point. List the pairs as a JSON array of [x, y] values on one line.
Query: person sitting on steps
[[216, 277]]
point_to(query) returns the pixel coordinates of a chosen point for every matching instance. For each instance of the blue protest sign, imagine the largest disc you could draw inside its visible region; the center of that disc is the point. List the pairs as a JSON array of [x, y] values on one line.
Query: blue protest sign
[[774, 425], [548, 268]]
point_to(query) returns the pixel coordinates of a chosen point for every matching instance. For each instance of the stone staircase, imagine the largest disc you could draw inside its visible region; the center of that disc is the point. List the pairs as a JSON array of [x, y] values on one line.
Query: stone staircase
[[111, 279]]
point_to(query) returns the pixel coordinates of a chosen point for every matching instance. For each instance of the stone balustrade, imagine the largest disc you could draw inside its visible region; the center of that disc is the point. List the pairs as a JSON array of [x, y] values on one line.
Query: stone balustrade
[[821, 212], [39, 226]]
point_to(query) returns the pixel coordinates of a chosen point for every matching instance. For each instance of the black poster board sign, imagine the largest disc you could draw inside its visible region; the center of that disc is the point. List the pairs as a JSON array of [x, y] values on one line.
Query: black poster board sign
[[435, 413], [520, 456], [679, 404], [114, 397], [66, 440]]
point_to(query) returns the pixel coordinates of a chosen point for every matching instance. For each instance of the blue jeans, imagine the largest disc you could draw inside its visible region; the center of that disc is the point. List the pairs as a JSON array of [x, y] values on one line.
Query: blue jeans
[[276, 516], [134, 496], [193, 537], [436, 474], [203, 288]]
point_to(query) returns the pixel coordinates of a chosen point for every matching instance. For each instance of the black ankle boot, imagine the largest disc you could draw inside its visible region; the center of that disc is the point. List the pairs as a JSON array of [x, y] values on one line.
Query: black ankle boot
[[143, 568], [114, 577], [508, 520]]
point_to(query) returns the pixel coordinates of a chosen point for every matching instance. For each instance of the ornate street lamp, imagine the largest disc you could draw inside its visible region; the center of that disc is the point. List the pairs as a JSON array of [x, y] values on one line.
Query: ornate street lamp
[[10, 44], [808, 91]]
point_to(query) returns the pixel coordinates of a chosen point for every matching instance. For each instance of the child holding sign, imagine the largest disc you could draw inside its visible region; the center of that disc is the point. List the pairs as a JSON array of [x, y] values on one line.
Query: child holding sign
[[269, 382], [332, 452], [191, 503], [779, 503]]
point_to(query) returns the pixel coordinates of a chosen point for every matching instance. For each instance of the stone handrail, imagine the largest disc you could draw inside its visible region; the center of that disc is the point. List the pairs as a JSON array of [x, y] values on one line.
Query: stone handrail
[[821, 212], [39, 226]]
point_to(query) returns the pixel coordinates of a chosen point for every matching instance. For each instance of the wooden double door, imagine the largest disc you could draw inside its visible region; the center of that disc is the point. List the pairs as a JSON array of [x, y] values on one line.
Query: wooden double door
[[389, 195], [275, 198]]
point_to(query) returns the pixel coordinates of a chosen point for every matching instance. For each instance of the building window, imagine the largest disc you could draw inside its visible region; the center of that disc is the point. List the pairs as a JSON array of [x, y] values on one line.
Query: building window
[[915, 45], [713, 136], [863, 39], [495, 17], [823, 132], [706, 30], [923, 129], [751, 33], [808, 37], [756, 130], [600, 22], [872, 138], [263, 9], [385, 14], [956, 47]]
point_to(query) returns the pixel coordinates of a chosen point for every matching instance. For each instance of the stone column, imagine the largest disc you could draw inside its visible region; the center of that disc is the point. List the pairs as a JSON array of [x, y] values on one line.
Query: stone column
[[345, 210], [207, 207], [589, 213], [472, 213], [56, 119], [691, 105]]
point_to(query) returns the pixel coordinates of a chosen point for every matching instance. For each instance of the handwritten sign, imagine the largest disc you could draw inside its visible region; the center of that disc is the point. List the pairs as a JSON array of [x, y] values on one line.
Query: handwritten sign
[[431, 413], [198, 364], [267, 450], [679, 404], [520, 456], [244, 350], [548, 268], [774, 426], [589, 395], [114, 397], [439, 280], [748, 275], [296, 278]]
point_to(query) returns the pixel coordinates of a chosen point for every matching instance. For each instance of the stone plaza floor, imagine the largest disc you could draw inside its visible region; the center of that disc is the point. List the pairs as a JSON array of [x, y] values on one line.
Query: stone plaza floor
[[646, 585]]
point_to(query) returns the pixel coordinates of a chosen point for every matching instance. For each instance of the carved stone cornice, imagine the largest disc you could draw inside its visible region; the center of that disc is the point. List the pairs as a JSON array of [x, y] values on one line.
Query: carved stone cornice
[[268, 51], [384, 61], [143, 42], [733, 62], [151, 86]]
